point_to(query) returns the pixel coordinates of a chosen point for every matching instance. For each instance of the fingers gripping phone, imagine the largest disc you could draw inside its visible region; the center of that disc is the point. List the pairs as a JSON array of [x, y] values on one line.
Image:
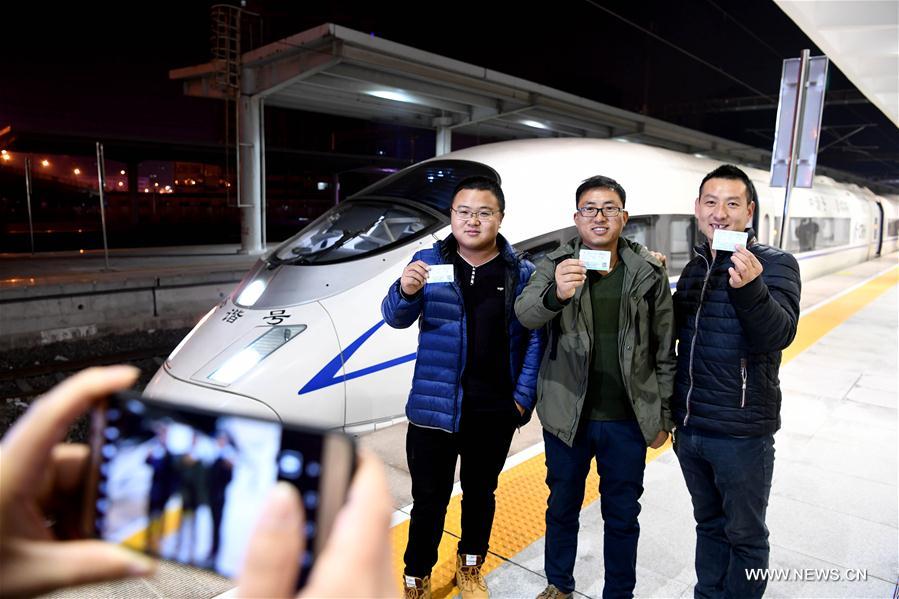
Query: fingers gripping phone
[[188, 485]]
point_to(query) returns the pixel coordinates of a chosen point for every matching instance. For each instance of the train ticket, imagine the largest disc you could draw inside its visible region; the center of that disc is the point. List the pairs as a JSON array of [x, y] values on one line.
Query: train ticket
[[596, 259], [726, 240], [441, 273]]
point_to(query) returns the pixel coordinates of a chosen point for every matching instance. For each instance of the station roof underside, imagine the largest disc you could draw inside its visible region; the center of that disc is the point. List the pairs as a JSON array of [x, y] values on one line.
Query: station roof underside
[[862, 38], [334, 70]]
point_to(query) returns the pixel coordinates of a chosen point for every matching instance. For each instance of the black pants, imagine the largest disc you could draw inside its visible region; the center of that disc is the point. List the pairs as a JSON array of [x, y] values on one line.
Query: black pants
[[482, 443]]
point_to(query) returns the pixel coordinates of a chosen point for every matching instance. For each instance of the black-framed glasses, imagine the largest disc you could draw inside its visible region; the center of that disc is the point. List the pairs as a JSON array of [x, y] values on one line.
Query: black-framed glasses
[[607, 211], [466, 214]]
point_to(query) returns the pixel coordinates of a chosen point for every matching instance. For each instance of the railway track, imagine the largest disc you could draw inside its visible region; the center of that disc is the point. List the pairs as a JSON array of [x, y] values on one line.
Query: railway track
[[28, 372], [29, 382]]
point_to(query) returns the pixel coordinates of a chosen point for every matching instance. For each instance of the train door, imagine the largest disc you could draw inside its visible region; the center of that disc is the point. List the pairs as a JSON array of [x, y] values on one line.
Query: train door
[[879, 228]]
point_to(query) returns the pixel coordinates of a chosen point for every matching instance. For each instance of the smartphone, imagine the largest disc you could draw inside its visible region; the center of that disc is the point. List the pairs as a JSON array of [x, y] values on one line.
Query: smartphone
[[188, 485]]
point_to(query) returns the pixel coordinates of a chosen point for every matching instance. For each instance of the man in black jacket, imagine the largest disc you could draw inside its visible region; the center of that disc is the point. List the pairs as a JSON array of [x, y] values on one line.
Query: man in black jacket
[[735, 312]]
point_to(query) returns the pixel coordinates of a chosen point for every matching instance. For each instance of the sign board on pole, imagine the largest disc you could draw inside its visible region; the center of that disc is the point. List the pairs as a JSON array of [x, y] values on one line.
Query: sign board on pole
[[808, 108]]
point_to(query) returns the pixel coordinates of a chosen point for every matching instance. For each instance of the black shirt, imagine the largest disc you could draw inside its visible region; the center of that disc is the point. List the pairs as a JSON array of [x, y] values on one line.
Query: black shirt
[[486, 380]]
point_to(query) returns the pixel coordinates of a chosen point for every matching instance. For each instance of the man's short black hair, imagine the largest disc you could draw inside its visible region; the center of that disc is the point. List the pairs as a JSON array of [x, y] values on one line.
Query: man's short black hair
[[729, 171], [481, 183], [599, 182]]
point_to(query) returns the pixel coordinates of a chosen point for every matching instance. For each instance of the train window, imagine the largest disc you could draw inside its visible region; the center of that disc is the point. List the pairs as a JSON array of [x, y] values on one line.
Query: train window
[[536, 248], [671, 234], [807, 234], [351, 230], [892, 227], [431, 183]]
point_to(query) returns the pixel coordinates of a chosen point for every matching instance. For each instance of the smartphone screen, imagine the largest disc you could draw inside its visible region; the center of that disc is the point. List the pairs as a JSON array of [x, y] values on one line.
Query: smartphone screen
[[189, 485]]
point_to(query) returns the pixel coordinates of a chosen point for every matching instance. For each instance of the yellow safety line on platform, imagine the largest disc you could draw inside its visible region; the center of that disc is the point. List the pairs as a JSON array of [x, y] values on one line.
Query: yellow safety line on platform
[[828, 316], [522, 492]]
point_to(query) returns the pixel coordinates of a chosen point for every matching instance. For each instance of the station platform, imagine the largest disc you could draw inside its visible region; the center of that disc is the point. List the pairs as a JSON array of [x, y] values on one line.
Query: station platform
[[62, 296], [832, 513], [833, 507], [88, 267]]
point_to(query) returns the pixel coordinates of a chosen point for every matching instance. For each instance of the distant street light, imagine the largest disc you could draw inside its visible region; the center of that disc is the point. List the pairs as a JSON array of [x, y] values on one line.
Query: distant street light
[[45, 162], [77, 171], [122, 172]]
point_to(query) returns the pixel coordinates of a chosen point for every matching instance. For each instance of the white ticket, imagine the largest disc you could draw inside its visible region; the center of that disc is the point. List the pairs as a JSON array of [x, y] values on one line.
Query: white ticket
[[596, 259], [441, 273], [726, 240]]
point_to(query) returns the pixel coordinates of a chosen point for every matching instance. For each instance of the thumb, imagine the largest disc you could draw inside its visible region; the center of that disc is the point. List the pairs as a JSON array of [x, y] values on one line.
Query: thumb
[[272, 563], [33, 567]]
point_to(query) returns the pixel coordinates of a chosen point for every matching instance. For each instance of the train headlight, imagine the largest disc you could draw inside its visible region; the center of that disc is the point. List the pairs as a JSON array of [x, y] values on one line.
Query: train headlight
[[251, 293], [245, 359]]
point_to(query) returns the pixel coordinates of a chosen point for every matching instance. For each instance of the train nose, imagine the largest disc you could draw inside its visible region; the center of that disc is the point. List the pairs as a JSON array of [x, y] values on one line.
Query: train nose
[[264, 356]]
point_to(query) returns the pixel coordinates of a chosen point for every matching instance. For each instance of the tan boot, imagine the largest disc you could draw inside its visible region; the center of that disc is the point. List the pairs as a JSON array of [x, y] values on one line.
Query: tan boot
[[552, 592], [469, 579], [416, 588]]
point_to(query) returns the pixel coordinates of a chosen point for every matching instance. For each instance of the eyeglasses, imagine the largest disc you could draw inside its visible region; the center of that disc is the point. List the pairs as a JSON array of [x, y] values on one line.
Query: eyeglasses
[[466, 214], [607, 211]]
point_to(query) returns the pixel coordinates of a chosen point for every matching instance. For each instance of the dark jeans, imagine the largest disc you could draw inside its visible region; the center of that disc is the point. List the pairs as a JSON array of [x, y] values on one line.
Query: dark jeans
[[482, 444], [729, 480], [620, 452]]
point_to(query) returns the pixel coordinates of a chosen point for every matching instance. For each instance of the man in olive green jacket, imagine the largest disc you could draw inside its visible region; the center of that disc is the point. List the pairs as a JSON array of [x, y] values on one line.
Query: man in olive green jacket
[[605, 382]]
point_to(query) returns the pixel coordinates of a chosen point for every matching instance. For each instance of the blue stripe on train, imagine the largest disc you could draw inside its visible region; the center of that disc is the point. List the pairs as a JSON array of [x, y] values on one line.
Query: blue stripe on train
[[326, 376]]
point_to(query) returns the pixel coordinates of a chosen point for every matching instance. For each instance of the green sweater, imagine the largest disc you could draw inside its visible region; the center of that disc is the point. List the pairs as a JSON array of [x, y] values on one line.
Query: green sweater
[[606, 395]]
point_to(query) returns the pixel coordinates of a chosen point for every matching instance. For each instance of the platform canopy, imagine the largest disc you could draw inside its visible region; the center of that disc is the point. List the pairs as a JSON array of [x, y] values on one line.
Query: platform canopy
[[334, 70], [330, 69], [862, 38]]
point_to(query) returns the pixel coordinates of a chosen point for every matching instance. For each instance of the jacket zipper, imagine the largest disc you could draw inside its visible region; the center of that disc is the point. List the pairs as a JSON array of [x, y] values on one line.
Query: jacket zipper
[[695, 333], [743, 377]]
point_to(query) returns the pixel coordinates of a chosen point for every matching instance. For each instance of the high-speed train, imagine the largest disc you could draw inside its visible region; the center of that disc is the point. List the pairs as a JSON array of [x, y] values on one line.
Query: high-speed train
[[302, 338]]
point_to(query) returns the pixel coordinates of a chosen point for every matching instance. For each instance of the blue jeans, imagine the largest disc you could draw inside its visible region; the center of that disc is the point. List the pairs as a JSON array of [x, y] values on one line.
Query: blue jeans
[[620, 452], [729, 479]]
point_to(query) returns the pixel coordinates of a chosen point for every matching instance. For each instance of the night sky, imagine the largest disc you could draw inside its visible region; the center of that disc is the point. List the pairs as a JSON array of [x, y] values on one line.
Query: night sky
[[102, 68]]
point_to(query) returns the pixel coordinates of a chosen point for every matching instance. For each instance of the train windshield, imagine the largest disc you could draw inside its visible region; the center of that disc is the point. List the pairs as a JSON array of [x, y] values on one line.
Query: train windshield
[[430, 183], [382, 215], [353, 229]]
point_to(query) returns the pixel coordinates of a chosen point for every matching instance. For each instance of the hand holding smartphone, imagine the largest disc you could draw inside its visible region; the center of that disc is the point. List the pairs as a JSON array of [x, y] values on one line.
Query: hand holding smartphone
[[188, 485]]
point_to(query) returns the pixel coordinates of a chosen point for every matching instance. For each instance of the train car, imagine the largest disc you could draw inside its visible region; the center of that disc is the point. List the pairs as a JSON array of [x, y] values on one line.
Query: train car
[[302, 338]]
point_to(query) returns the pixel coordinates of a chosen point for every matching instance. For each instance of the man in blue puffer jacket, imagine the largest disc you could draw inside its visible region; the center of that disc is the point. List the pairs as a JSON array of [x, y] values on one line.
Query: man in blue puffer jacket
[[474, 383], [735, 313]]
